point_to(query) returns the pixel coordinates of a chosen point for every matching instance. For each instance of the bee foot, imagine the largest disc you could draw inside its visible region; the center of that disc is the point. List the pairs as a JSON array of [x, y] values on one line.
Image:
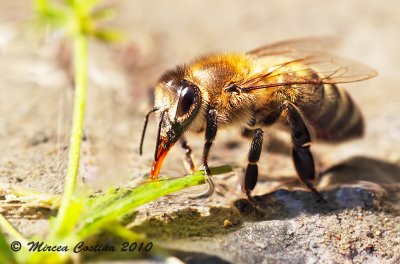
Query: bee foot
[[256, 204], [209, 192]]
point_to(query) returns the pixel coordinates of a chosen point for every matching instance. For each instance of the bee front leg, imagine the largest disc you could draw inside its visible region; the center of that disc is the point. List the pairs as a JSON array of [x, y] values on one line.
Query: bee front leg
[[301, 154], [211, 132], [188, 159]]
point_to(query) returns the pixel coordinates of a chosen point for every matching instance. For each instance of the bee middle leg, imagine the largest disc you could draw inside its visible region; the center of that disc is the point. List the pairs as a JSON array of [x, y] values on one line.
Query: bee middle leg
[[301, 154], [188, 159], [251, 174], [211, 132]]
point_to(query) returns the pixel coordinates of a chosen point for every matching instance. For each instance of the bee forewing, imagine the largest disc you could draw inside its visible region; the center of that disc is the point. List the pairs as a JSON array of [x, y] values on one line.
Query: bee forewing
[[334, 69], [328, 69], [307, 54], [300, 47]]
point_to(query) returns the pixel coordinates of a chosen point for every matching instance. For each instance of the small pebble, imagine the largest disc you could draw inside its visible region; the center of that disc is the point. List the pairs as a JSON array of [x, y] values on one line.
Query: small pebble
[[261, 245], [227, 223]]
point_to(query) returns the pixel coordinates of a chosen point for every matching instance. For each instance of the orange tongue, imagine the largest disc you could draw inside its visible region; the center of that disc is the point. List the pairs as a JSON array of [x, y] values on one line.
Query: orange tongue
[[155, 169]]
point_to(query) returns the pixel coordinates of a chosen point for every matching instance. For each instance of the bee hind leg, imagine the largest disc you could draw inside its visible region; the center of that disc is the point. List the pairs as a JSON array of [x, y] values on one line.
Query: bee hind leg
[[211, 132], [188, 159], [301, 154], [251, 174]]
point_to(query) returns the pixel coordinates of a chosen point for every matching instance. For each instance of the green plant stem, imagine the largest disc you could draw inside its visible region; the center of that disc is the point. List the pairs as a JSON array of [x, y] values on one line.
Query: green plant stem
[[80, 67], [6, 227]]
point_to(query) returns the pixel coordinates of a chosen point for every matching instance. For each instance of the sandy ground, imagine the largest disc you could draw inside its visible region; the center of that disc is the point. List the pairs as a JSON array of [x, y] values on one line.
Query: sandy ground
[[362, 222]]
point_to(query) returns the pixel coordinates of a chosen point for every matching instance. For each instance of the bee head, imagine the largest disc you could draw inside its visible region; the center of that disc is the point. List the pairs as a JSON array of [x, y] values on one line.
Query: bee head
[[179, 101]]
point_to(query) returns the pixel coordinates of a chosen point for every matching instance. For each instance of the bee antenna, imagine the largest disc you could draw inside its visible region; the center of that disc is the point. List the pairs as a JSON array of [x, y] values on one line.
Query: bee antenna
[[146, 120], [159, 132]]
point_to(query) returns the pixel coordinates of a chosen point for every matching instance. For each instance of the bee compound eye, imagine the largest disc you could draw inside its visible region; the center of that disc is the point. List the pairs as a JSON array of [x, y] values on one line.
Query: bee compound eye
[[186, 100]]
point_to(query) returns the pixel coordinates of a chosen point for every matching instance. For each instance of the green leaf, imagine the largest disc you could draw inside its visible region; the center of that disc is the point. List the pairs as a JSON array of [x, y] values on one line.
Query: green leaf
[[6, 255], [49, 14], [72, 214], [109, 35], [104, 14], [114, 205], [125, 233]]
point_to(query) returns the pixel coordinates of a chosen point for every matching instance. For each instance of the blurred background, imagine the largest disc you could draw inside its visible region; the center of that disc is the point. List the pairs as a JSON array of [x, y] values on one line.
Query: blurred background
[[36, 86]]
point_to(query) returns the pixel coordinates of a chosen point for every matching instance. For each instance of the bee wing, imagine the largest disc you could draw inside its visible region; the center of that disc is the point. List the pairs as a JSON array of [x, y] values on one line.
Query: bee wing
[[334, 69], [329, 68], [300, 47]]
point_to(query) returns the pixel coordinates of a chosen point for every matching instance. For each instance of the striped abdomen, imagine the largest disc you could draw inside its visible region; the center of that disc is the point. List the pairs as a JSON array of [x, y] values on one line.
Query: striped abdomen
[[332, 113]]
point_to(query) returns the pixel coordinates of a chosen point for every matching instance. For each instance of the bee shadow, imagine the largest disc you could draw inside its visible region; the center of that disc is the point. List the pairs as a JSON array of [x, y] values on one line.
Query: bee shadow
[[358, 182]]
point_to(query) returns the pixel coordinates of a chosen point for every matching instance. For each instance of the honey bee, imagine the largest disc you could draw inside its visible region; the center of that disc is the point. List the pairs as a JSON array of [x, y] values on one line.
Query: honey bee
[[293, 83]]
